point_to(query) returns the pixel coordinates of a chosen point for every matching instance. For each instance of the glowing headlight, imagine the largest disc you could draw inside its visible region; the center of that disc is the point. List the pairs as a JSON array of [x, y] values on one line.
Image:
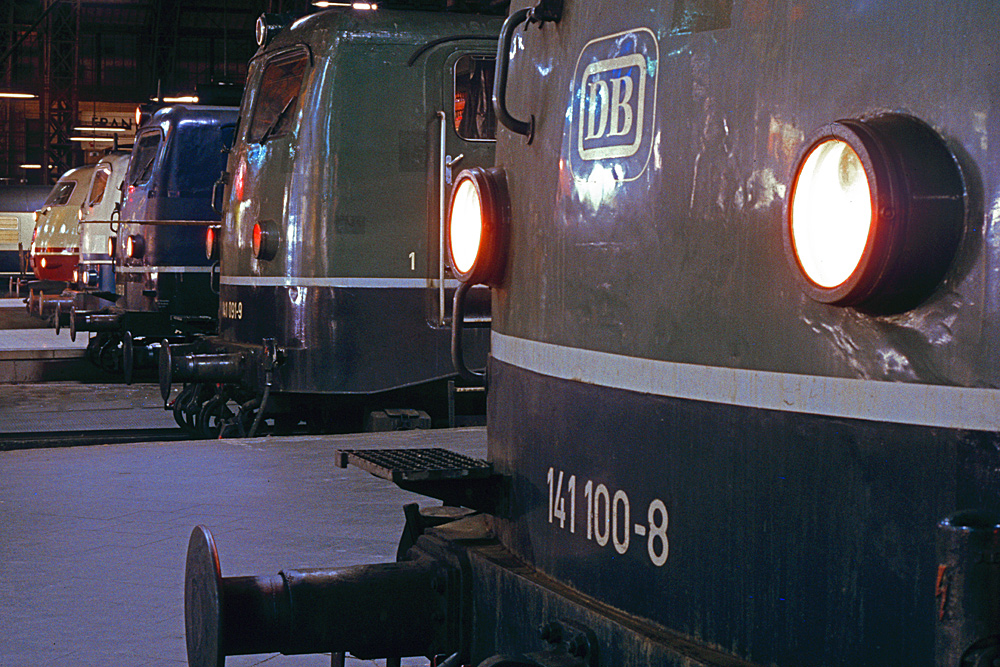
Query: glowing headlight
[[111, 246], [477, 226], [76, 275], [43, 262], [875, 213], [211, 243], [831, 213], [265, 240], [135, 246], [466, 229]]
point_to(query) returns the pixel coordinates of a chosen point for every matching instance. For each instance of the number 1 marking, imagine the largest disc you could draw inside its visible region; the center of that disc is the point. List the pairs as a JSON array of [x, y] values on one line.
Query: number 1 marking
[[413, 261]]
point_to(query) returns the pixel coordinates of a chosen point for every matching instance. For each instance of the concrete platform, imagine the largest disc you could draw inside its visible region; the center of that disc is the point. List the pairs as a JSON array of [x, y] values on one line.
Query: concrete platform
[[93, 539], [31, 351], [66, 406]]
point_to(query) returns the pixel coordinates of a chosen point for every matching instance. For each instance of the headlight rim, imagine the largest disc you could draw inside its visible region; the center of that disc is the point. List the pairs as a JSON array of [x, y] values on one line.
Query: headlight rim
[[489, 265], [883, 279], [135, 246]]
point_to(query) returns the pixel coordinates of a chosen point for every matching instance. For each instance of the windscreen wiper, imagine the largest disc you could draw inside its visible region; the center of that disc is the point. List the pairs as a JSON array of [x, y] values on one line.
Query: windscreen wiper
[[277, 121]]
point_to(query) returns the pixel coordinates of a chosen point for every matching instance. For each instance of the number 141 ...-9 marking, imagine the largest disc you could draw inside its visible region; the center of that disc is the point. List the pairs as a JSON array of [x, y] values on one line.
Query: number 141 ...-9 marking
[[608, 516]]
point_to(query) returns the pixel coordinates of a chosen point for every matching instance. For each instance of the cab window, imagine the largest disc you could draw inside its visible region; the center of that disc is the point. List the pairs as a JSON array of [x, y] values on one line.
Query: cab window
[[99, 185], [278, 98], [140, 166], [60, 194], [474, 117]]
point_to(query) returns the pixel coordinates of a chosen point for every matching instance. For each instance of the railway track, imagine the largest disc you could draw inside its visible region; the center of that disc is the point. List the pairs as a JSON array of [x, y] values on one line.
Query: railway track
[[43, 439]]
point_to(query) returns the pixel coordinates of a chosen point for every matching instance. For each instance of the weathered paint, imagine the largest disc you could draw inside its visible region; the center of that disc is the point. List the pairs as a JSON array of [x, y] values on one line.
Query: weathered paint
[[352, 187], [796, 535], [177, 187]]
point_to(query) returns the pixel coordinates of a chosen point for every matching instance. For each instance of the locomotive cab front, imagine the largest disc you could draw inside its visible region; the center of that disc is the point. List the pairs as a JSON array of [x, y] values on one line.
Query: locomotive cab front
[[331, 249]]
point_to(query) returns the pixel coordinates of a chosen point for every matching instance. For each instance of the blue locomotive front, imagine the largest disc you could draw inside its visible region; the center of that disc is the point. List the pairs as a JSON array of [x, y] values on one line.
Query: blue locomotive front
[[162, 276]]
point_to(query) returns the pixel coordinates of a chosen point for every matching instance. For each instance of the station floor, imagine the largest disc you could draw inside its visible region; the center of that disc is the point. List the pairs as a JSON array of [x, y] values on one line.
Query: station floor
[[93, 539]]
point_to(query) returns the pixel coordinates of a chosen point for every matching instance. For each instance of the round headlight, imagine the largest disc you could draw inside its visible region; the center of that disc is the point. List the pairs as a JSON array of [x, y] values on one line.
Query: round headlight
[[111, 246], [477, 226], [268, 26], [875, 213], [135, 246], [265, 240], [831, 213], [211, 243]]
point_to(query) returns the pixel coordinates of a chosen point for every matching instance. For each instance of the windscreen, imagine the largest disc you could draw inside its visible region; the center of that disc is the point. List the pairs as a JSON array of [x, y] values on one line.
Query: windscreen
[[140, 166], [60, 194], [277, 101]]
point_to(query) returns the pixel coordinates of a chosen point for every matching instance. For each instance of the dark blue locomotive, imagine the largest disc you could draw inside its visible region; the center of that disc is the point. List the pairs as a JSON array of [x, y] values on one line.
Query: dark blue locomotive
[[334, 294], [163, 280], [743, 379]]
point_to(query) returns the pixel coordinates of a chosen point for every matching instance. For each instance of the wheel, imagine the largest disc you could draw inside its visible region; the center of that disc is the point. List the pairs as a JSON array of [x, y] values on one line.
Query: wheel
[[182, 408], [212, 416], [94, 349], [110, 355]]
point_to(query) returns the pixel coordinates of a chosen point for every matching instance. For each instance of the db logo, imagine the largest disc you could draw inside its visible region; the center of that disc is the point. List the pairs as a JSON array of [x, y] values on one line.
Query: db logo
[[614, 91]]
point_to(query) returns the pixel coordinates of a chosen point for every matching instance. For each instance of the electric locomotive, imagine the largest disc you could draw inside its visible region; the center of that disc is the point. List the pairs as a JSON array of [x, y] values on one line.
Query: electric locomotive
[[55, 243], [743, 401], [93, 282], [163, 281], [17, 206], [334, 291], [96, 269]]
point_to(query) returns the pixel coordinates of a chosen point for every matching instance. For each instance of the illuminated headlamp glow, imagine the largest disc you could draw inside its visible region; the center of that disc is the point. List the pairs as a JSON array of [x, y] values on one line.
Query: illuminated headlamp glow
[[111, 245], [831, 213], [875, 213], [135, 246], [466, 229], [264, 242], [258, 236], [211, 243], [477, 226]]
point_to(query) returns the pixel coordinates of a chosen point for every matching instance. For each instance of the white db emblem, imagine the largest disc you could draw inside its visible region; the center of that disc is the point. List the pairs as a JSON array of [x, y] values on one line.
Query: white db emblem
[[614, 92]]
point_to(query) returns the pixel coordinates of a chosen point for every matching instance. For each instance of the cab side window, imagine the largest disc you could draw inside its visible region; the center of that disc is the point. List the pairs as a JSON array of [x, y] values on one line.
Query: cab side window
[[140, 166], [98, 185], [474, 117], [278, 98]]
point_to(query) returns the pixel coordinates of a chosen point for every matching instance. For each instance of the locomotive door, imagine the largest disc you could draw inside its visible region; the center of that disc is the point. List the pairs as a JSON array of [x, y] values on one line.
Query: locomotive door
[[464, 136]]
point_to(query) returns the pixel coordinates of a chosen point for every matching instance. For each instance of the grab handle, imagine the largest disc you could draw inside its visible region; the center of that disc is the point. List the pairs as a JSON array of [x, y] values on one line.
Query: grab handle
[[457, 326], [500, 83], [544, 11]]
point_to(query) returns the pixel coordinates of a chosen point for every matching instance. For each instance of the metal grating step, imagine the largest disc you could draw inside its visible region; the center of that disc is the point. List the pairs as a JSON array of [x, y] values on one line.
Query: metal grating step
[[415, 465]]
